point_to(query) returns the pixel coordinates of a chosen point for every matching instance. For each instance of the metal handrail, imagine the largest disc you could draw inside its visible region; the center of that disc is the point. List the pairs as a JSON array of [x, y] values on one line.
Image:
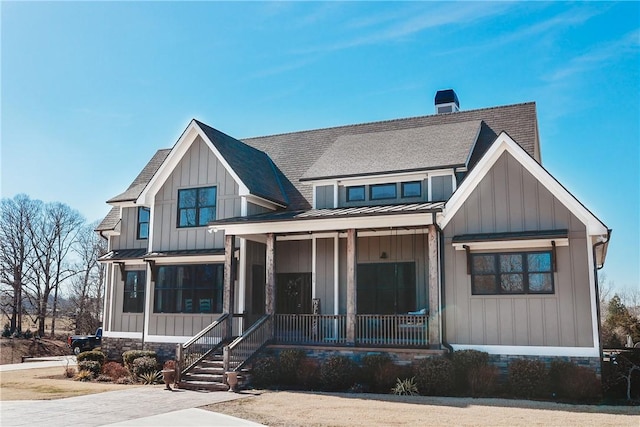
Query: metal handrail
[[202, 344], [245, 346]]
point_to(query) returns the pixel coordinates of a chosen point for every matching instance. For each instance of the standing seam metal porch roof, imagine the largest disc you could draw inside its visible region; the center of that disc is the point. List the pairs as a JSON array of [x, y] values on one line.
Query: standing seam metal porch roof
[[355, 212]]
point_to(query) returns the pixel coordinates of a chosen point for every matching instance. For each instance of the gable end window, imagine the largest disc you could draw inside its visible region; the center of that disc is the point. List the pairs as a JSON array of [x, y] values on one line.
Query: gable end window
[[512, 273], [355, 194], [196, 206], [383, 191], [143, 223], [411, 189]]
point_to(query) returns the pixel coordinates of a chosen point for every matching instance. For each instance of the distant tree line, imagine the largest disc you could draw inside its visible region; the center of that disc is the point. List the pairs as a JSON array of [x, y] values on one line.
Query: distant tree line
[[620, 315], [48, 250]]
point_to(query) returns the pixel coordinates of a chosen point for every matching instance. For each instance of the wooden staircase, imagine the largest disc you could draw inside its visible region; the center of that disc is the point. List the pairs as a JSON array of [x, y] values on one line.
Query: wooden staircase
[[208, 375]]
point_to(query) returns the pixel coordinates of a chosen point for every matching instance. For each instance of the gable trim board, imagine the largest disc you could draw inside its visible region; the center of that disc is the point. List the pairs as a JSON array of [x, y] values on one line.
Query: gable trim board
[[188, 137], [502, 144]]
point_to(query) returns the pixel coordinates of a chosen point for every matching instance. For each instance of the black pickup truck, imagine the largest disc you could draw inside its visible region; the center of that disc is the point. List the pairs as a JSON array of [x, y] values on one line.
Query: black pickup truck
[[80, 343]]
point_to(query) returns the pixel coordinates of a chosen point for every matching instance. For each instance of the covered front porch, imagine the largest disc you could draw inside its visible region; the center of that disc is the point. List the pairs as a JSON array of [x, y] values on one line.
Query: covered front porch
[[337, 277]]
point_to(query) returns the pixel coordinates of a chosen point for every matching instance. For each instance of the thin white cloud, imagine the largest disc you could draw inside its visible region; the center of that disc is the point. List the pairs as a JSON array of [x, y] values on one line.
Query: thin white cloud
[[602, 54], [404, 24]]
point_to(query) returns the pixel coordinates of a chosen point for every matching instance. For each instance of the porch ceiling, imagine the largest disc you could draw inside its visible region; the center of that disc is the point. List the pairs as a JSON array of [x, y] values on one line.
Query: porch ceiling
[[366, 217]]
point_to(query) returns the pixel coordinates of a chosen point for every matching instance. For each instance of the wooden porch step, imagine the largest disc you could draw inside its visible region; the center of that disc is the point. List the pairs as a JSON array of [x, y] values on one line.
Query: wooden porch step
[[203, 386]]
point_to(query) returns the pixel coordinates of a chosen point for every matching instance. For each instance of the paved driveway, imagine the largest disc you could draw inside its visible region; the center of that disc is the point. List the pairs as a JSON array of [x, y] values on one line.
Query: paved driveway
[[138, 406]]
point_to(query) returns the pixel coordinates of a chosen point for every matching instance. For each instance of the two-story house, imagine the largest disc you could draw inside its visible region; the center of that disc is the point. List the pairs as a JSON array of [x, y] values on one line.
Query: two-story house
[[410, 236]]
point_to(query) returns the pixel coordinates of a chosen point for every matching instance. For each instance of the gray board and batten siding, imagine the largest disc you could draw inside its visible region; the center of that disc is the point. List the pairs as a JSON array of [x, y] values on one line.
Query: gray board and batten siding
[[198, 168], [128, 237], [124, 322], [510, 199]]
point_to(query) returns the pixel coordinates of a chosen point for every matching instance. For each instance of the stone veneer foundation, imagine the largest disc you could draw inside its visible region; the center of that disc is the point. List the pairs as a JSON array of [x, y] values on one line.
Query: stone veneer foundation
[[114, 347]]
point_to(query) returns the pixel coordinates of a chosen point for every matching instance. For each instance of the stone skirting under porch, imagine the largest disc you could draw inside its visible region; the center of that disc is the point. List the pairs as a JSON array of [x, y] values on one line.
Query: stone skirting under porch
[[114, 347]]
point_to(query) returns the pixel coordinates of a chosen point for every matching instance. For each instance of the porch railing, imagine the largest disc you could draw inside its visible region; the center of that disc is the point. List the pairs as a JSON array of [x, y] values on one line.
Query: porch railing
[[312, 329], [202, 344], [392, 330], [242, 348], [405, 330]]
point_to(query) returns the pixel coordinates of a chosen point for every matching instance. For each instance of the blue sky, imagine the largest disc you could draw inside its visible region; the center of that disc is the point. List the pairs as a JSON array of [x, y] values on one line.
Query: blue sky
[[91, 90]]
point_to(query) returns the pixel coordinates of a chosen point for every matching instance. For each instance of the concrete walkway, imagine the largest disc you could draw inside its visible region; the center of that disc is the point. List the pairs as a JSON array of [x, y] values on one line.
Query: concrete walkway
[[41, 362], [138, 406]]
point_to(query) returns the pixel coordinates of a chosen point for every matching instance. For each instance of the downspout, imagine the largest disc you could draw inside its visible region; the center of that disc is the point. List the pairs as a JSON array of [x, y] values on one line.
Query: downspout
[[595, 277], [443, 323]]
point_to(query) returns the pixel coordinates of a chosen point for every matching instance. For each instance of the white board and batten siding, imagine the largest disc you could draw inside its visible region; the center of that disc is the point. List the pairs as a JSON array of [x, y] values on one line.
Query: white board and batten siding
[[510, 199]]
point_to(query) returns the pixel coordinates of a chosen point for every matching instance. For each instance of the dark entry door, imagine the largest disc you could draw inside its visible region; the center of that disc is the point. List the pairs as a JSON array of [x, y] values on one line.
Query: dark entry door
[[257, 294], [386, 288], [293, 293]]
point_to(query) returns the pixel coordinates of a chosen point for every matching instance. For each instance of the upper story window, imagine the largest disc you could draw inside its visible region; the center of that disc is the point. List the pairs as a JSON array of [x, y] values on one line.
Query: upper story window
[[411, 189], [355, 194], [134, 284], [143, 222], [196, 206], [512, 273], [383, 191]]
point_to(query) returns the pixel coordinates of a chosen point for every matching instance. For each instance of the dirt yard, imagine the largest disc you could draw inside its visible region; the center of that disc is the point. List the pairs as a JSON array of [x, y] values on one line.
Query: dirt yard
[[324, 409], [47, 384], [13, 349]]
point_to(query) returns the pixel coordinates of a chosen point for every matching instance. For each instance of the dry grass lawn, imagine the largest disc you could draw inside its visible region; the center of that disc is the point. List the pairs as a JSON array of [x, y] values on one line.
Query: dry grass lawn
[[46, 384], [325, 409]]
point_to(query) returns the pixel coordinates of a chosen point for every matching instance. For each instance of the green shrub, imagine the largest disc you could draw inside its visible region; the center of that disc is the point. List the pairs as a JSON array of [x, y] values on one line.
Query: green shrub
[[464, 362], [572, 382], [94, 355], [483, 381], [308, 374], [102, 378], [528, 378], [90, 366], [129, 356], [435, 376], [289, 362], [376, 369], [406, 387], [144, 365], [114, 370], [266, 372], [338, 373]]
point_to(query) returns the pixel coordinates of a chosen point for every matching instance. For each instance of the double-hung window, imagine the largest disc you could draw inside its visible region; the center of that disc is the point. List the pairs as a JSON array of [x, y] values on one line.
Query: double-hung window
[[143, 223], [196, 206], [512, 273]]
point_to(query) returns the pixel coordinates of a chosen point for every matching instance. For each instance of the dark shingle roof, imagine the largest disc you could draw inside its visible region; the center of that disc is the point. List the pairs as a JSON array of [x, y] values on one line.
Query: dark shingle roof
[[110, 221], [400, 150], [272, 166], [295, 153], [254, 168], [143, 178]]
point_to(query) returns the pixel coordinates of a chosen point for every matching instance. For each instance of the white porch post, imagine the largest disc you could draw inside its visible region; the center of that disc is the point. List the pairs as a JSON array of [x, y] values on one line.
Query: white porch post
[[434, 289]]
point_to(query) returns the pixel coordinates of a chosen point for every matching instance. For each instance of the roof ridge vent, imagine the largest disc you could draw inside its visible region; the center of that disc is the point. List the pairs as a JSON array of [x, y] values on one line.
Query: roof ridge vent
[[447, 101]]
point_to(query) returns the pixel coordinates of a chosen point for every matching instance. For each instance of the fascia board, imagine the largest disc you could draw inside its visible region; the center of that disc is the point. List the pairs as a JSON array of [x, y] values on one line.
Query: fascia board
[[314, 225], [505, 143], [177, 153]]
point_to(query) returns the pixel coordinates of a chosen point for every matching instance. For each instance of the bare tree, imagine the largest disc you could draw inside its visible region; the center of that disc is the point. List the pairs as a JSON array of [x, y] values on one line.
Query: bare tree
[[87, 286], [52, 234], [15, 250]]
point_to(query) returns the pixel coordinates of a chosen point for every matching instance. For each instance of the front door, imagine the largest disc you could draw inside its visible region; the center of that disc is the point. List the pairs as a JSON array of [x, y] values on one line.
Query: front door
[[293, 293]]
